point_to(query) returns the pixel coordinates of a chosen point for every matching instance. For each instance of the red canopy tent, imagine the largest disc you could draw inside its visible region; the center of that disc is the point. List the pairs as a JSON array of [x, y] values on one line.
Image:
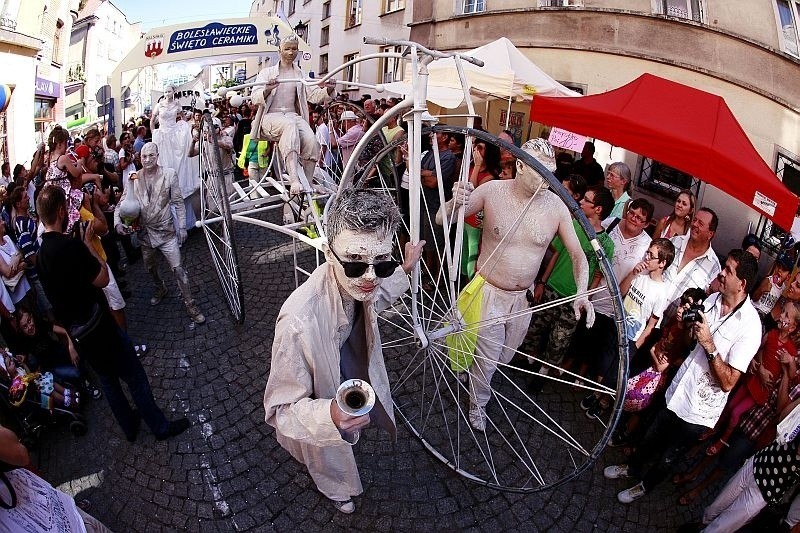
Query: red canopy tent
[[691, 130]]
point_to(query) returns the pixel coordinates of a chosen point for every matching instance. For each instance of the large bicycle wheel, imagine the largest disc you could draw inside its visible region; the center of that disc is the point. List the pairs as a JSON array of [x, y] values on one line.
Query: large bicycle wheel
[[216, 221], [532, 442]]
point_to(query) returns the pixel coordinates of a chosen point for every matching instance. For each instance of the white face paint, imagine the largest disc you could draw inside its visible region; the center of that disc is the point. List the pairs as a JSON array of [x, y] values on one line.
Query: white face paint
[[365, 247], [529, 179], [288, 51], [169, 93], [149, 156]]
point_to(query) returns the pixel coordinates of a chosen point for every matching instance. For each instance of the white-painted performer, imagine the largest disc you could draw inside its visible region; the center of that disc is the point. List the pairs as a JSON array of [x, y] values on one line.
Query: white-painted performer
[[173, 138], [282, 115], [327, 332], [521, 218], [157, 192]]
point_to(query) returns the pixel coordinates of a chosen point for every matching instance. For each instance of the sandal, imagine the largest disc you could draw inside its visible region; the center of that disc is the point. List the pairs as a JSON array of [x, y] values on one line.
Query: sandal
[[715, 448]]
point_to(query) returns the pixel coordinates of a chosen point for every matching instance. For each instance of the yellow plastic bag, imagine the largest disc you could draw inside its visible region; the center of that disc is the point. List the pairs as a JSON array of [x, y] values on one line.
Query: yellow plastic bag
[[461, 346]]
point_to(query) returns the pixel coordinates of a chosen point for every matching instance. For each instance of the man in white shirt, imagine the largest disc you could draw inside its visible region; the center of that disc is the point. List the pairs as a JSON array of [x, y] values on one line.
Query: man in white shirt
[[696, 264], [323, 134], [126, 156], [728, 336]]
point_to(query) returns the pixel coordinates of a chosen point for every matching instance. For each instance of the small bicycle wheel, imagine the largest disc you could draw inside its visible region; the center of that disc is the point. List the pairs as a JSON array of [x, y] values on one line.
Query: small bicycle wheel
[[217, 222], [532, 442]]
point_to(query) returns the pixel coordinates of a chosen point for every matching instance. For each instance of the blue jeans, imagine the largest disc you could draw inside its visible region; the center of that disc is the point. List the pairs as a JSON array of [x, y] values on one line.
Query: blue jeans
[[110, 352]]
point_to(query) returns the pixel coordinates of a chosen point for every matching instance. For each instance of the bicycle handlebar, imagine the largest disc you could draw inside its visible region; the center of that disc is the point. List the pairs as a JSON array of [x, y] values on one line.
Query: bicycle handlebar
[[382, 41]]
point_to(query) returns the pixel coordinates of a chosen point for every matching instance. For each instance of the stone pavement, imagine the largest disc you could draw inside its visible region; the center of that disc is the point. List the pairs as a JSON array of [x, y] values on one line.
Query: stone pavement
[[227, 472]]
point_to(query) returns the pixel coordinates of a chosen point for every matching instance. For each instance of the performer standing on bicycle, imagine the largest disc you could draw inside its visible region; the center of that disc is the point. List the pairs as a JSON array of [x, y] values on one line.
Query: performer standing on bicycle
[[282, 115]]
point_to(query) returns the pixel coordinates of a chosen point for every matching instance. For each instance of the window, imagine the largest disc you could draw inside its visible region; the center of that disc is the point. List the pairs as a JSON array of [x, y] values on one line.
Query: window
[[787, 12], [292, 6], [323, 63], [42, 117], [392, 69], [393, 5], [787, 168], [351, 72], [326, 10], [56, 54], [473, 6], [353, 17], [685, 9], [665, 180], [325, 36]]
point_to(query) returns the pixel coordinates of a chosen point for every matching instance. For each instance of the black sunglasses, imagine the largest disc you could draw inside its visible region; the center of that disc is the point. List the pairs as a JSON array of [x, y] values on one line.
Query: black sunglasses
[[354, 269]]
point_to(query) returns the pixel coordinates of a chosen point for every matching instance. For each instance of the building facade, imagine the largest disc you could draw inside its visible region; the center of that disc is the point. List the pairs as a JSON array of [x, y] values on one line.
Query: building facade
[[100, 38], [334, 29], [746, 52], [34, 38]]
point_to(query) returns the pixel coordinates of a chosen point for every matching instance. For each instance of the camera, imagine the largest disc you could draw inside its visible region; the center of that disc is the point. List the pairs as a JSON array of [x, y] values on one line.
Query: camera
[[88, 188], [694, 313]]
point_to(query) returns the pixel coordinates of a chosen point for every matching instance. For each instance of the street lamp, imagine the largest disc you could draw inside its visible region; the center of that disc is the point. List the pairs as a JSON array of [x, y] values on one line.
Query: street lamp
[[301, 29]]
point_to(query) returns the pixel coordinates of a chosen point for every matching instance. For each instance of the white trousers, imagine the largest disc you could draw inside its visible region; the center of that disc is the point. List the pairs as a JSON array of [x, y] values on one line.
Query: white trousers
[[496, 342], [294, 136], [738, 503]]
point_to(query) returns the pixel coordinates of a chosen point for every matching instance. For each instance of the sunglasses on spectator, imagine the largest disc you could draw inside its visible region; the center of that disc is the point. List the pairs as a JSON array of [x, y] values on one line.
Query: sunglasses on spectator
[[355, 269]]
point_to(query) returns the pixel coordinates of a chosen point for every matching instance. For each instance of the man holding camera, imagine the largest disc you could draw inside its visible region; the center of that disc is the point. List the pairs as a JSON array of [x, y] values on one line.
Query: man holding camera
[[156, 189], [327, 333], [728, 335]]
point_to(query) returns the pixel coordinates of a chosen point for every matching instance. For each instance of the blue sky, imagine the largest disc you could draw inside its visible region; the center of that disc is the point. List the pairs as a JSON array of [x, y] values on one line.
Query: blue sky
[[154, 13]]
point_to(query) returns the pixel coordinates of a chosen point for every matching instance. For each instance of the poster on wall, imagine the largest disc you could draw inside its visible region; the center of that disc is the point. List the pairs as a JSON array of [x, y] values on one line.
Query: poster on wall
[[513, 123]]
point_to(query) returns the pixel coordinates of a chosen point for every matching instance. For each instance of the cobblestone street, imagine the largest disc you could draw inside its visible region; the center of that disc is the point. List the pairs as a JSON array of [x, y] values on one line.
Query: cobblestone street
[[227, 472]]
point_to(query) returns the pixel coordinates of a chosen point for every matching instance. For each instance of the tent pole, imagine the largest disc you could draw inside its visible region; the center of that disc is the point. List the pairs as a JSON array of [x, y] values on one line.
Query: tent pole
[[508, 112]]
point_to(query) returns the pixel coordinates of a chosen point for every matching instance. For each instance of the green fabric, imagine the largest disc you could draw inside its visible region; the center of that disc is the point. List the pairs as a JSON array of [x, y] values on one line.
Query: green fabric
[[469, 250], [461, 346], [561, 279]]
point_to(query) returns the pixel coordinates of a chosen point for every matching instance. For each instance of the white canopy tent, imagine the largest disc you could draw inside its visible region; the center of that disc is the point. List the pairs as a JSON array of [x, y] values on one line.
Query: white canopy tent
[[507, 75], [203, 43]]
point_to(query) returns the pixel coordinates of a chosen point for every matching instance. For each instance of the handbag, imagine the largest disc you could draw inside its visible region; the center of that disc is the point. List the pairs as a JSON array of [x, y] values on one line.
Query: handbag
[[79, 332]]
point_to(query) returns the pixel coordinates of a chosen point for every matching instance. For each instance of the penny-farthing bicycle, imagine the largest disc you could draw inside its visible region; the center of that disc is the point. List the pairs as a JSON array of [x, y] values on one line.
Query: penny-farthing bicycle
[[531, 442]]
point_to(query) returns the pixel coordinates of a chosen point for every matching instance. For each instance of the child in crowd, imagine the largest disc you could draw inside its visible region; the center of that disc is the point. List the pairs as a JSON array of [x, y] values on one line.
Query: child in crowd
[[764, 375], [645, 301], [771, 287], [666, 356], [51, 394]]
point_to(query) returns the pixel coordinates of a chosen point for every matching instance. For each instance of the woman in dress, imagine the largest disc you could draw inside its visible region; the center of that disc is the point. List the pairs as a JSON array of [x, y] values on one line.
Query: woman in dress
[[677, 222], [173, 138]]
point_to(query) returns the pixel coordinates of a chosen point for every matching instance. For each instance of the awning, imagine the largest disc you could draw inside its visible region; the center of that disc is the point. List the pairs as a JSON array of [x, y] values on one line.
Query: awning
[[683, 127]]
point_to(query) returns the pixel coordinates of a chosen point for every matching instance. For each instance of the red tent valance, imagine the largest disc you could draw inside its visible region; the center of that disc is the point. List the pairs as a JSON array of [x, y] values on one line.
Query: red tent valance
[[683, 127]]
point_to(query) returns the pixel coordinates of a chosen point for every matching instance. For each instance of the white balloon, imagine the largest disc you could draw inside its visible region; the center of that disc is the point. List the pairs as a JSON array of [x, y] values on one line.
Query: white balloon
[[236, 100], [222, 91], [380, 88]]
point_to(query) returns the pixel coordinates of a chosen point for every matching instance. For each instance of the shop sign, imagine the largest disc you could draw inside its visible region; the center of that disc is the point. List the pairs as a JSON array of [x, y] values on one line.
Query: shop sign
[[47, 88]]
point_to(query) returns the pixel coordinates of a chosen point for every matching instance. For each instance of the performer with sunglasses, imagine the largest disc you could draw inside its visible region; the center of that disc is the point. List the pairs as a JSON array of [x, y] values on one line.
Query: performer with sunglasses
[[327, 332]]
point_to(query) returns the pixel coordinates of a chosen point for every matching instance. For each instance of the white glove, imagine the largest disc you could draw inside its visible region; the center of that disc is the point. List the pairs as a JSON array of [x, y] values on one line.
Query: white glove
[[461, 193], [182, 236]]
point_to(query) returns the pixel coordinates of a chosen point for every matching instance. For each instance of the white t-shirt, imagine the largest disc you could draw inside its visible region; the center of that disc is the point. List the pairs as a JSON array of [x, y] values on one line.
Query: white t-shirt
[[127, 170], [695, 395], [645, 298], [768, 300], [324, 139], [627, 252]]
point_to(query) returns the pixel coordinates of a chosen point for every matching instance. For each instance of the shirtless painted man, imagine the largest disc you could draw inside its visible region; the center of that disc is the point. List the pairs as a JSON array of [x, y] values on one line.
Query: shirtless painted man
[[521, 217]]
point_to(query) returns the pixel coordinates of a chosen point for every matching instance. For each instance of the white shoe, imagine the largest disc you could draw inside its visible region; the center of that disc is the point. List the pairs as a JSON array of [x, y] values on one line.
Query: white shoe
[[632, 494], [347, 507], [477, 417], [616, 472]]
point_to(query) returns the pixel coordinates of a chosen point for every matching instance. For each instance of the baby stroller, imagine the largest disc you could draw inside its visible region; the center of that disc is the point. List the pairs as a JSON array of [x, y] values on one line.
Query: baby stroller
[[31, 418]]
